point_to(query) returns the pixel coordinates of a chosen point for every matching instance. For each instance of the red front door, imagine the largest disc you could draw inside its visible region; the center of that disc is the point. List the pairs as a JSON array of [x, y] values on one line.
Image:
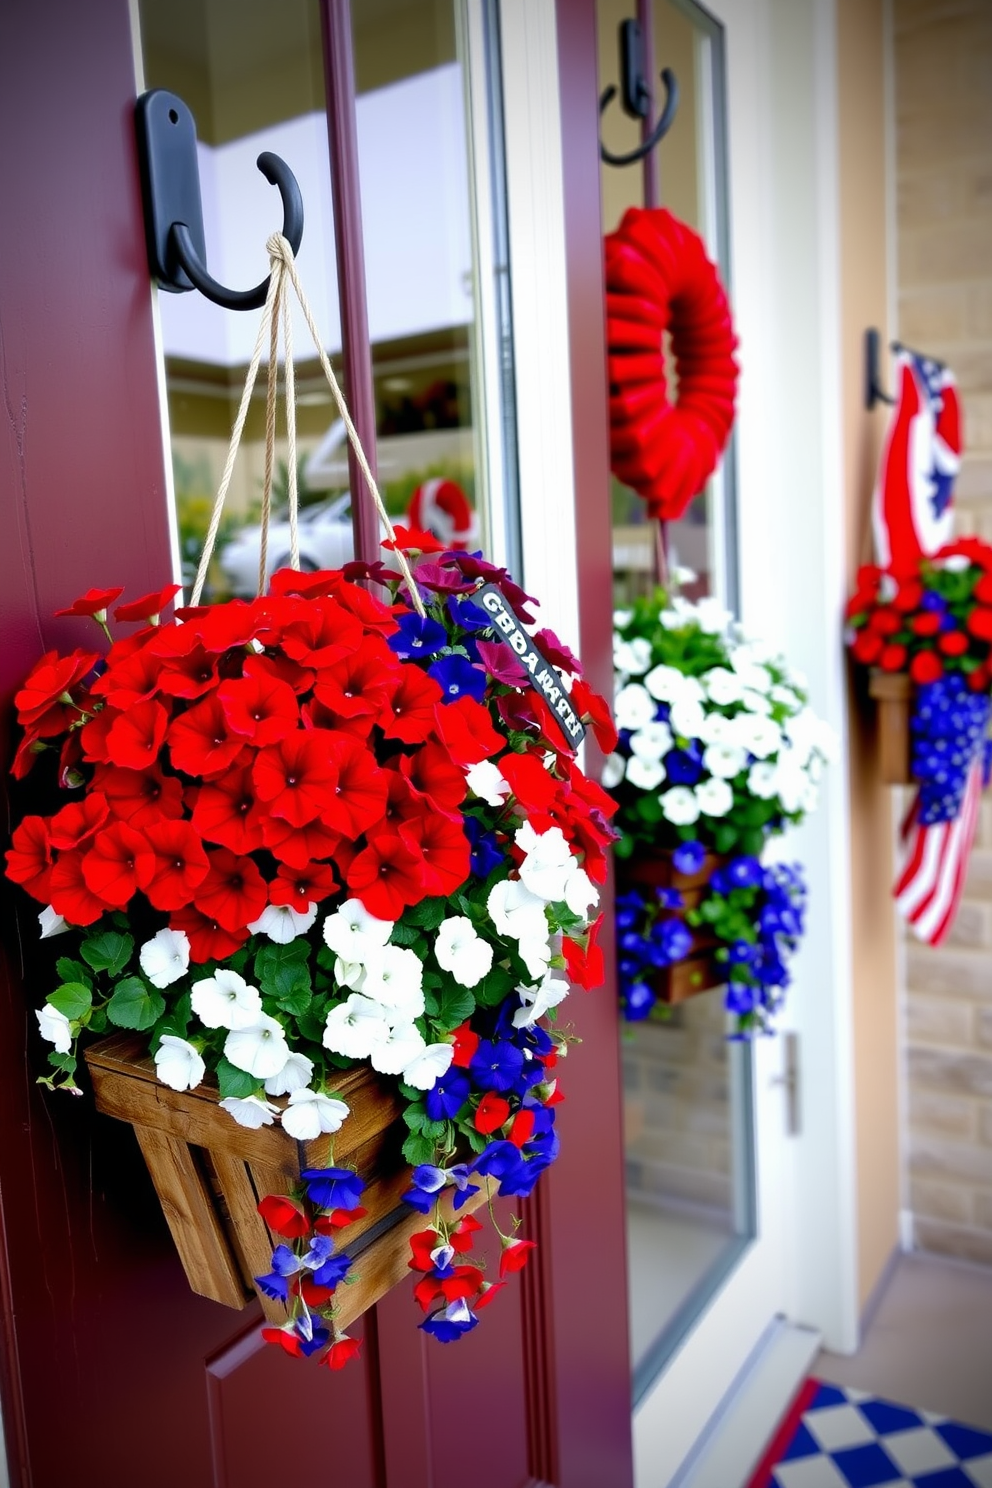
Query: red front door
[[113, 1373]]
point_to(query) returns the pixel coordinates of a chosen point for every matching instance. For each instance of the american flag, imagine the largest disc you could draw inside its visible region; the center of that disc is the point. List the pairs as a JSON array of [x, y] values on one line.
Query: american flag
[[912, 517]]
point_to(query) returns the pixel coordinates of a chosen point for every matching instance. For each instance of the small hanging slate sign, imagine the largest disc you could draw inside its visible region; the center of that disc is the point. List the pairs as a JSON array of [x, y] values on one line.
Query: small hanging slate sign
[[542, 674]]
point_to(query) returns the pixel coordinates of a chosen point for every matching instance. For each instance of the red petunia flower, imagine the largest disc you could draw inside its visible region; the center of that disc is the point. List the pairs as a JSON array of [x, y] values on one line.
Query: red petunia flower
[[534, 787], [181, 864], [259, 707], [77, 822], [489, 1291], [431, 772], [285, 1339], [149, 607], [357, 689], [952, 643], [885, 620], [515, 1256], [926, 666], [412, 540], [466, 1042], [409, 715], [139, 796], [70, 895], [93, 735], [299, 678], [492, 1113], [403, 803], [50, 682], [585, 967], [523, 1127], [227, 626], [297, 777], [341, 1351], [466, 731], [299, 887], [129, 679], [362, 789], [893, 657], [460, 1238], [186, 669], [338, 1219], [135, 738], [226, 812], [200, 742], [325, 634], [299, 846], [979, 622], [421, 1245], [867, 647], [284, 1216], [595, 710], [445, 850], [233, 893], [208, 940], [93, 603], [119, 862], [387, 876], [29, 857]]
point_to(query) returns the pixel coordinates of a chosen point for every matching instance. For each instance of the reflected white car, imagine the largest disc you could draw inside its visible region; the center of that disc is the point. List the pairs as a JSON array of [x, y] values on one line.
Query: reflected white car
[[325, 542]]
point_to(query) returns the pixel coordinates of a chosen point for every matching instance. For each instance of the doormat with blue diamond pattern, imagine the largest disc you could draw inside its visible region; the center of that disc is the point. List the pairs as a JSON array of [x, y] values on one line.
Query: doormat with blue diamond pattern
[[834, 1438]]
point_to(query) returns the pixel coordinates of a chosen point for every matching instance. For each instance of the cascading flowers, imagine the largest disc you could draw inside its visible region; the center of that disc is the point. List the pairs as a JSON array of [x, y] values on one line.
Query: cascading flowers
[[318, 829], [718, 752]]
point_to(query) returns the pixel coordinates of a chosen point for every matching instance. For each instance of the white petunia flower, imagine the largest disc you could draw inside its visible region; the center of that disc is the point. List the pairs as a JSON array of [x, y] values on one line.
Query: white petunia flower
[[755, 701], [786, 697], [645, 774], [790, 782], [612, 773], [260, 1049], [461, 950], [622, 618], [687, 717], [712, 617], [354, 1027], [652, 742], [296, 1073], [718, 729], [724, 760], [633, 707], [51, 923], [715, 798], [581, 894], [760, 736], [250, 1110], [282, 923], [536, 956], [762, 780], [485, 781], [54, 1026], [680, 806], [394, 977], [515, 911], [165, 958], [723, 686], [682, 575], [755, 678], [225, 1000], [310, 1113], [809, 797], [666, 684], [535, 1001], [178, 1064], [351, 931], [401, 1046], [348, 973], [548, 861], [633, 656], [427, 1067]]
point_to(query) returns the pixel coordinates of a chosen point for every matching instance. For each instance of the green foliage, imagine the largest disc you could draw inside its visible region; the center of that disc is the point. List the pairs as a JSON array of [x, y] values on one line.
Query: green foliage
[[135, 1004], [109, 951], [73, 1000]]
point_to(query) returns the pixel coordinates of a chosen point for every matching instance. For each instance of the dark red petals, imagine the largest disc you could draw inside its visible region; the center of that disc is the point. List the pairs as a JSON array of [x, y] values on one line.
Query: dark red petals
[[118, 863], [135, 738], [233, 893], [181, 864]]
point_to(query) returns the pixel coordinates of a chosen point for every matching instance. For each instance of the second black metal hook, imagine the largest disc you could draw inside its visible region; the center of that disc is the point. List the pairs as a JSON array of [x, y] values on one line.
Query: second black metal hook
[[170, 183], [636, 96]]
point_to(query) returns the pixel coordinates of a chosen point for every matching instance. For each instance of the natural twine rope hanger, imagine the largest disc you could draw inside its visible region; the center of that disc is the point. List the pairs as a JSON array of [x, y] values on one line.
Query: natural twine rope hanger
[[277, 302]]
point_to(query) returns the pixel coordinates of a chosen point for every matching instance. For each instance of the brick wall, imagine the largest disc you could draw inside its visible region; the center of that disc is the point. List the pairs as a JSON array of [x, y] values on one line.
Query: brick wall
[[943, 81]]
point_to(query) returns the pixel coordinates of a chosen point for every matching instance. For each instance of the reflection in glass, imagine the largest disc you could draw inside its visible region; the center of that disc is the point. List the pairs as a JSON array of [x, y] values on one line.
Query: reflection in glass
[[687, 1098], [254, 86]]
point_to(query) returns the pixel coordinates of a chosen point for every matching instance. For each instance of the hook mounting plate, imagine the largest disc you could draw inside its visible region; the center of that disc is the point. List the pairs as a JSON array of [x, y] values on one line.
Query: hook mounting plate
[[170, 183]]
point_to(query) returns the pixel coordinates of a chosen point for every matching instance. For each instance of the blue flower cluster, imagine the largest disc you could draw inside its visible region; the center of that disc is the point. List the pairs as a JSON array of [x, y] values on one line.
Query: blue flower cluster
[[947, 730], [757, 970], [644, 949]]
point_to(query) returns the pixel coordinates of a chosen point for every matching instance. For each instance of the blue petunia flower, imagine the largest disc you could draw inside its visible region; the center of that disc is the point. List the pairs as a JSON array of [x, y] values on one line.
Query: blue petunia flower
[[417, 636], [454, 1322], [334, 1270], [446, 1098], [468, 615], [458, 678], [689, 857], [311, 1334], [638, 1001], [333, 1188], [682, 768], [485, 854], [496, 1066]]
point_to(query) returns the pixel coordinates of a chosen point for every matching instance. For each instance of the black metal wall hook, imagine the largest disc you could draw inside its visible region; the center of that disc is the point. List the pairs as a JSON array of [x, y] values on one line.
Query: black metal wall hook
[[873, 381], [170, 185], [636, 95]]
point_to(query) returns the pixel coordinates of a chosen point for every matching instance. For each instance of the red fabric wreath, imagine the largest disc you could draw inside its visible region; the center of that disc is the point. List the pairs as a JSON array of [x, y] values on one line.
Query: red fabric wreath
[[658, 278]]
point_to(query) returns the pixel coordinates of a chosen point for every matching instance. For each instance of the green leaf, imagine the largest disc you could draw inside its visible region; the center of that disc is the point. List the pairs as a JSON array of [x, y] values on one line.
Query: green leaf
[[73, 971], [233, 1081], [415, 1116], [135, 1004], [296, 1001], [649, 809], [176, 1020], [404, 935], [428, 914], [72, 999], [724, 837], [97, 1021], [475, 1139], [282, 970], [108, 952], [752, 842], [624, 845], [418, 1149], [455, 1004], [495, 985], [65, 1062]]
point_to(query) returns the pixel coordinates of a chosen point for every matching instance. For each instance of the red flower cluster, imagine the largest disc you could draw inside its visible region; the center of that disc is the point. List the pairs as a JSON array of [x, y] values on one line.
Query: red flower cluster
[[937, 618], [272, 753]]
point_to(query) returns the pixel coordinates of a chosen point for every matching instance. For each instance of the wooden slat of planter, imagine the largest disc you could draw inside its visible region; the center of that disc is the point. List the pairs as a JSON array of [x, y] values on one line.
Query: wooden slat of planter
[[189, 1210], [689, 978], [248, 1234], [893, 691]]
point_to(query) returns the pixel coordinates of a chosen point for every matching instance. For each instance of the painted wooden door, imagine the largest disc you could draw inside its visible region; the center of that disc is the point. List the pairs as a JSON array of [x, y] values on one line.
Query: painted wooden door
[[113, 1373]]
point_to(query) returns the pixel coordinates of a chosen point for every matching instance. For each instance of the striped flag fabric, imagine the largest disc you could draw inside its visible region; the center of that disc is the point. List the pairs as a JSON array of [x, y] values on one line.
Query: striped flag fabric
[[935, 862]]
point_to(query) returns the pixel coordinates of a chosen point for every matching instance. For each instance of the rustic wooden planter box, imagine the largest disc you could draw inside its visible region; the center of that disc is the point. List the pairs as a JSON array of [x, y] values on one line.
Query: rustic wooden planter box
[[893, 691], [209, 1174], [700, 971]]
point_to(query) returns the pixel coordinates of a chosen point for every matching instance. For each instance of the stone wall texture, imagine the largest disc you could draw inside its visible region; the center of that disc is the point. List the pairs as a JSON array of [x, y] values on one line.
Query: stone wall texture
[[943, 98]]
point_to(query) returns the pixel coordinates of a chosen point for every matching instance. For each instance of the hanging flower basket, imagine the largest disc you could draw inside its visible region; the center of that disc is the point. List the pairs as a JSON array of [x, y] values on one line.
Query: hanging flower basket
[[718, 753], [327, 867]]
